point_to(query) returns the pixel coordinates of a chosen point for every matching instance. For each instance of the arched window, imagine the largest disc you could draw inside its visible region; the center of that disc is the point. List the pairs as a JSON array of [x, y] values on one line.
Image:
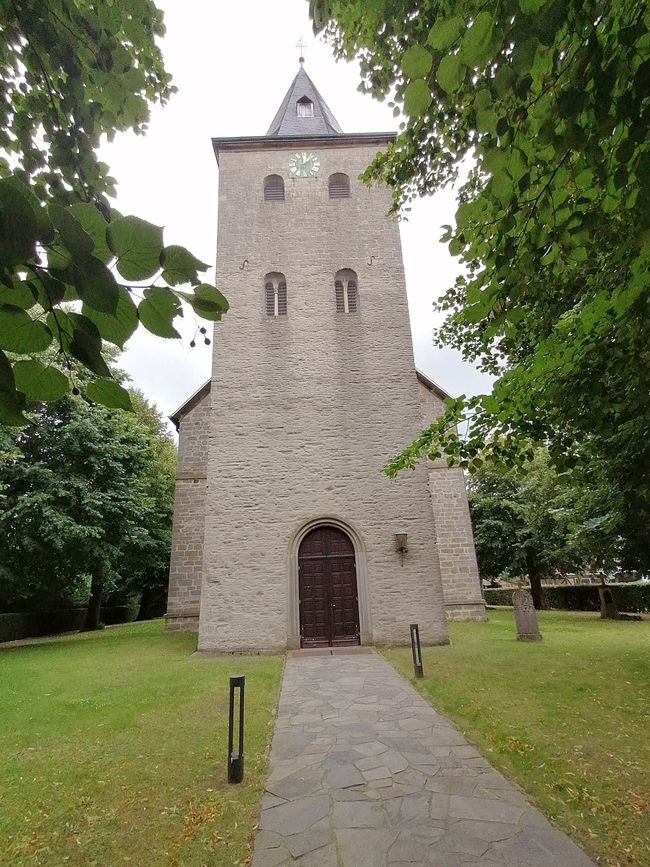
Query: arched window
[[275, 294], [346, 291], [339, 186], [305, 107], [273, 188]]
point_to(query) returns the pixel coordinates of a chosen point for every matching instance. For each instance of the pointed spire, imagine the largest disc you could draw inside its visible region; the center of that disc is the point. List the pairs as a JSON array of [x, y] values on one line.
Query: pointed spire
[[303, 111]]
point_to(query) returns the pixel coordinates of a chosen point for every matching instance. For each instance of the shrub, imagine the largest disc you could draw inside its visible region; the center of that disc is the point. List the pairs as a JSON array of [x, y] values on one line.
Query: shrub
[[628, 597]]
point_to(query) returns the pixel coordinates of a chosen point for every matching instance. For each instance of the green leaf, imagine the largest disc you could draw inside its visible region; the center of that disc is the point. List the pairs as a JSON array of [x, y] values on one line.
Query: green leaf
[[116, 327], [45, 229], [417, 98], [109, 393], [180, 266], [93, 222], [18, 225], [523, 56], [11, 402], [19, 294], [20, 333], [207, 302], [86, 346], [486, 121], [58, 258], [445, 32], [39, 381], [531, 7], [158, 310], [476, 44], [416, 62], [137, 245], [450, 73], [95, 284], [74, 237]]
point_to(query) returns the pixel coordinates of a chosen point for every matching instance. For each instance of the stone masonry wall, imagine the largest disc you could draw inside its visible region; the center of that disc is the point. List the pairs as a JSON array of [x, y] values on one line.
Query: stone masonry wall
[[306, 408], [189, 520], [460, 579]]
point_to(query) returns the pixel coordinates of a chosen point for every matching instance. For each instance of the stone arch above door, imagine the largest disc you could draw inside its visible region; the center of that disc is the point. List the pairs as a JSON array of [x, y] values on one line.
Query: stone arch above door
[[293, 612]]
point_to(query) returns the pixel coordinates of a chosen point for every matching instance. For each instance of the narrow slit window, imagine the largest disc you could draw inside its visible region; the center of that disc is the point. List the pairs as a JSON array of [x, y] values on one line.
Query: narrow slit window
[[305, 107], [339, 186], [273, 188], [346, 292], [275, 295]]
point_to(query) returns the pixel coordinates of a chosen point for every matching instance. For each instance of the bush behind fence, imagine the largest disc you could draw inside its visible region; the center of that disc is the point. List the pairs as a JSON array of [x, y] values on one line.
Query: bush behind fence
[[628, 597], [31, 624]]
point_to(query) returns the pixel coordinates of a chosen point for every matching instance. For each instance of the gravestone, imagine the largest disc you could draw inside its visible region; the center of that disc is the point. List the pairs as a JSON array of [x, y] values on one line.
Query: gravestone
[[525, 616], [608, 608]]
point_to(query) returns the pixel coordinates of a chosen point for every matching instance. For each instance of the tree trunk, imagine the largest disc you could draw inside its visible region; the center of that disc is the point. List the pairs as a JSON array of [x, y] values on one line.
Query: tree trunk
[[535, 579], [147, 601], [95, 601]]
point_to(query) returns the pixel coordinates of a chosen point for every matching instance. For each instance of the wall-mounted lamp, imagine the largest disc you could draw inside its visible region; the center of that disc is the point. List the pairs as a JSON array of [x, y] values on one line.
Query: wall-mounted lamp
[[400, 545]]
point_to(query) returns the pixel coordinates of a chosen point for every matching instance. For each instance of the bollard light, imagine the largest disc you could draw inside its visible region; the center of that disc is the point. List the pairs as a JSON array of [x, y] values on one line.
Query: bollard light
[[416, 650], [236, 756]]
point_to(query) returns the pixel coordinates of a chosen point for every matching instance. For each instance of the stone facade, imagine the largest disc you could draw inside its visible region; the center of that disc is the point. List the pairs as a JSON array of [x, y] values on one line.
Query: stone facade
[[184, 595], [303, 412], [458, 567]]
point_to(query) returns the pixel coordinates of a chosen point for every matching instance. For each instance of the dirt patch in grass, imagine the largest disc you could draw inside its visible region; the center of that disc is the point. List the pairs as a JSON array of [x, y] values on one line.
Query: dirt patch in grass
[[113, 751]]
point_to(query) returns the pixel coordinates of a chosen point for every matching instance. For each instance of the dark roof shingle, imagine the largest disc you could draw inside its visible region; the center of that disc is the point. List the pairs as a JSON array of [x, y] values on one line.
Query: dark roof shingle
[[287, 122]]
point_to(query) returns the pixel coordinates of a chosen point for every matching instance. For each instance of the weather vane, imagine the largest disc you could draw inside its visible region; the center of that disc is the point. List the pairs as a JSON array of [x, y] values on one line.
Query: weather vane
[[301, 46]]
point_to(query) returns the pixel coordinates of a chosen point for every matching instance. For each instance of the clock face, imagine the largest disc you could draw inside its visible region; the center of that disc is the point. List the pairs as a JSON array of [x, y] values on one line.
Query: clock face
[[305, 164]]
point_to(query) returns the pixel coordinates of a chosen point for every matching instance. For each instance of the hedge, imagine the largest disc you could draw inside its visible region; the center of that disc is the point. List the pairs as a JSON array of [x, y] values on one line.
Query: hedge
[[584, 597], [33, 624]]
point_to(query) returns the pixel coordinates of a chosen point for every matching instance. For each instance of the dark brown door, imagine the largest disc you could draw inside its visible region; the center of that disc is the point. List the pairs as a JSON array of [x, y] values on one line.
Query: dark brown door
[[329, 610]]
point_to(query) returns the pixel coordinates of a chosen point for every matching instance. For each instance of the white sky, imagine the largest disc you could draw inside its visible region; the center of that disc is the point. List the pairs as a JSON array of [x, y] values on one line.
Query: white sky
[[232, 64]]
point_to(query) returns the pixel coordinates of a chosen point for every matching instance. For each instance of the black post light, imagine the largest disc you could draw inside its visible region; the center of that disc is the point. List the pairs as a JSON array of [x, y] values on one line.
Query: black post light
[[236, 757], [416, 650]]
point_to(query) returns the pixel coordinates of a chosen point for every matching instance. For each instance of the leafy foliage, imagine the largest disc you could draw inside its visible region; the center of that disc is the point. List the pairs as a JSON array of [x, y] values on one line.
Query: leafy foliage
[[551, 99], [523, 523], [70, 72], [536, 522], [84, 491]]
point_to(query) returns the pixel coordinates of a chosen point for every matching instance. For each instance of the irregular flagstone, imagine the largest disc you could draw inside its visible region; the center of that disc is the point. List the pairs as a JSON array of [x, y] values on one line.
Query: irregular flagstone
[[365, 773]]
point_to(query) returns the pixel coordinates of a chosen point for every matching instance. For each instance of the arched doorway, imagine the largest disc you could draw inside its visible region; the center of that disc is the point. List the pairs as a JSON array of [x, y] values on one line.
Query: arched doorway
[[327, 583]]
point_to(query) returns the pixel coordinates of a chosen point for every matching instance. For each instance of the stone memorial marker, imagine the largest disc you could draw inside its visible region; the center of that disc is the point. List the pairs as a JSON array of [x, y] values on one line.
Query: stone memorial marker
[[525, 616], [608, 608]]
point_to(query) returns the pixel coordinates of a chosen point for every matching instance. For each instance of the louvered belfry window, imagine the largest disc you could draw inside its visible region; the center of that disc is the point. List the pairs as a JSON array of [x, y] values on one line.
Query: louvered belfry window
[[275, 295], [339, 186], [345, 291], [273, 189]]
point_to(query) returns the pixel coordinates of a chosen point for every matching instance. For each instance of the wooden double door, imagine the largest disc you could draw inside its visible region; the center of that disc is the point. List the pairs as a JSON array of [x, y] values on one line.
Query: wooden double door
[[327, 577]]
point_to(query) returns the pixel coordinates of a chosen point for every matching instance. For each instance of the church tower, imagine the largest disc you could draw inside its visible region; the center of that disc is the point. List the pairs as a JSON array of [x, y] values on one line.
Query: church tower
[[286, 532]]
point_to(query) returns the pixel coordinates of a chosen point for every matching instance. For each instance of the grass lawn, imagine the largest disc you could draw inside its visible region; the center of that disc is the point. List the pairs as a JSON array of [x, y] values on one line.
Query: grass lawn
[[568, 718], [113, 751]]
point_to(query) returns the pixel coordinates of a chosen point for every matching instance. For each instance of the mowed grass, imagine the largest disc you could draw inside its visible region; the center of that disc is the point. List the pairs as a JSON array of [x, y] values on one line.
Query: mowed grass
[[113, 751], [568, 718]]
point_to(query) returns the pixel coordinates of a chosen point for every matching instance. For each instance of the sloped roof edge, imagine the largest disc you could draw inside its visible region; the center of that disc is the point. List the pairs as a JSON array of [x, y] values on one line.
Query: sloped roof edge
[[190, 403], [431, 385]]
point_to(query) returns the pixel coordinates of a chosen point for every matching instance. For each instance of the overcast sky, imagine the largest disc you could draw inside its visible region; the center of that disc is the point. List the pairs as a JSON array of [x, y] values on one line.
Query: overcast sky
[[232, 64]]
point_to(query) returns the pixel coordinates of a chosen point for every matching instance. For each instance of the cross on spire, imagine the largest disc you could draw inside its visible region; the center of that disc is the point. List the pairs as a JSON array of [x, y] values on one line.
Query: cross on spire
[[301, 46]]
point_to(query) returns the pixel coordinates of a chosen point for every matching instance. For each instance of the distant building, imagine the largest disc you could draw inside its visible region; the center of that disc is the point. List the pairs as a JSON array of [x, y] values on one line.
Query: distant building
[[286, 533]]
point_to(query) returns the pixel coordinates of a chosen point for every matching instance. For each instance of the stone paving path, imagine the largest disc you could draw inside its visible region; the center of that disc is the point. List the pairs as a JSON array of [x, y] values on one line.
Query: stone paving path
[[365, 773]]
